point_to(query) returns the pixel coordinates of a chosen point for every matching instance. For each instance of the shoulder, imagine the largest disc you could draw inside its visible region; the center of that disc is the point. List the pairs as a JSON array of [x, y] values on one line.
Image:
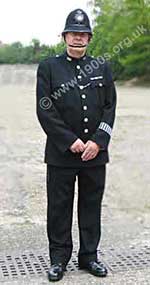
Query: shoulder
[[46, 63], [99, 62], [104, 66], [50, 60]]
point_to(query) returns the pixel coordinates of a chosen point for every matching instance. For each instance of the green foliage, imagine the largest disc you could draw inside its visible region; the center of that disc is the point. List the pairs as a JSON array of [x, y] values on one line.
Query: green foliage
[[35, 52], [122, 31]]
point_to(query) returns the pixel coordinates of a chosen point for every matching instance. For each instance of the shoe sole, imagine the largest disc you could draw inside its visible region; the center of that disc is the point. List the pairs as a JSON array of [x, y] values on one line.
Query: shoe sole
[[91, 272], [54, 279]]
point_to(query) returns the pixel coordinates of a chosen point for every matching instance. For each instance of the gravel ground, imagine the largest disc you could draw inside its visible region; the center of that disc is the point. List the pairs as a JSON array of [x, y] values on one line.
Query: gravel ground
[[126, 204]]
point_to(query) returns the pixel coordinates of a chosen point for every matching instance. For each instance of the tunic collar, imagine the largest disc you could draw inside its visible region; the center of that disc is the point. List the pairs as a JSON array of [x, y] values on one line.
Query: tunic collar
[[70, 58]]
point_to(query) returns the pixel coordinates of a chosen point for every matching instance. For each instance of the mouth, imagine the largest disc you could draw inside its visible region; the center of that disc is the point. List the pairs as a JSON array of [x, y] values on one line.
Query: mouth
[[77, 46]]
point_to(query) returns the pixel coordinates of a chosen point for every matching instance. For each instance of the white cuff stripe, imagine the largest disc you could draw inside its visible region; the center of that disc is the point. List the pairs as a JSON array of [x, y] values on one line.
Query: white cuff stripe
[[105, 127]]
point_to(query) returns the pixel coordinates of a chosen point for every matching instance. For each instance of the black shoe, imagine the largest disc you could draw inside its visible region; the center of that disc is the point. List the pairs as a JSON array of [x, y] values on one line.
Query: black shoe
[[56, 272], [95, 268]]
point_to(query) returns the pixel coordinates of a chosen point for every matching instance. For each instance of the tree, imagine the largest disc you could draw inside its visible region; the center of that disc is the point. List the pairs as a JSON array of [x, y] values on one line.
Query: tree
[[121, 32]]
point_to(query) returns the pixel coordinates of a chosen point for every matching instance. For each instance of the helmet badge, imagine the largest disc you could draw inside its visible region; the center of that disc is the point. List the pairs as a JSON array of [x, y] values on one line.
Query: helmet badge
[[79, 16]]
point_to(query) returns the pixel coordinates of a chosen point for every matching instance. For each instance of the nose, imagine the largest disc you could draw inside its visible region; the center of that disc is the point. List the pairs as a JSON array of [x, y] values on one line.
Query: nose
[[78, 36]]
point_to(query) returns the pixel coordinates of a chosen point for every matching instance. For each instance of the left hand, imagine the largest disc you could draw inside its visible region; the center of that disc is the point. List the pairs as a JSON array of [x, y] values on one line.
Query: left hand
[[91, 150]]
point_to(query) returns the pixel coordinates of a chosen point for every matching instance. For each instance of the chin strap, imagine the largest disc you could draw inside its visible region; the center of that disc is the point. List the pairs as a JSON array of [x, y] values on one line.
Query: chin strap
[[77, 46]]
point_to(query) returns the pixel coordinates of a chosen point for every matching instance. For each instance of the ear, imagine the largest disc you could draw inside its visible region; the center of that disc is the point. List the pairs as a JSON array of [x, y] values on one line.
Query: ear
[[90, 37], [63, 38]]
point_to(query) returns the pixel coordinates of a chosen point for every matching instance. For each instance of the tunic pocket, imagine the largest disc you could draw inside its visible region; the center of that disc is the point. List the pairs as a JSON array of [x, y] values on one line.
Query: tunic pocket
[[99, 83], [98, 86]]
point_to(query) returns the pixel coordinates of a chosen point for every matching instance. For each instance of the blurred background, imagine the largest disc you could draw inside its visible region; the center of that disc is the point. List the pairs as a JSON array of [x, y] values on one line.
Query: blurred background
[[31, 31]]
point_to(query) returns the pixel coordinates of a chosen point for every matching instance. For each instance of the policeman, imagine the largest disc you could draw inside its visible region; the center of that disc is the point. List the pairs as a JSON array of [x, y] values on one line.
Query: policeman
[[76, 101]]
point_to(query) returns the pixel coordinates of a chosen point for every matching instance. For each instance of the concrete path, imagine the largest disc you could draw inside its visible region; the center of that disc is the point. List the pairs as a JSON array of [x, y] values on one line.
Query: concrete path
[[126, 204]]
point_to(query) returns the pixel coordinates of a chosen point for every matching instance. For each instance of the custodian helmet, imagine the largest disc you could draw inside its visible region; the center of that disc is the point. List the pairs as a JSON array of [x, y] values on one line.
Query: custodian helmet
[[77, 21]]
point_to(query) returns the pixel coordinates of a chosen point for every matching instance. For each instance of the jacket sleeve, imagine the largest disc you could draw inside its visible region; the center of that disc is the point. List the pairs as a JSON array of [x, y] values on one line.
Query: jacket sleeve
[[103, 132], [49, 117]]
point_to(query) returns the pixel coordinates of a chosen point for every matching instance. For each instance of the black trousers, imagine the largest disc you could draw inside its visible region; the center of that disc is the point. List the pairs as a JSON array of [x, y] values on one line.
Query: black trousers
[[60, 197]]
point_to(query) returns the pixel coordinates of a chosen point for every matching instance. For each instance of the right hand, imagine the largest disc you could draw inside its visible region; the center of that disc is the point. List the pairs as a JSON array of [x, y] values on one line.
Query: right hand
[[77, 146]]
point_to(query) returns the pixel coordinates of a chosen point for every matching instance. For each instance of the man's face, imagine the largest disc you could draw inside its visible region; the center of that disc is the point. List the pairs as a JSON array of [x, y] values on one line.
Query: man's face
[[77, 39]]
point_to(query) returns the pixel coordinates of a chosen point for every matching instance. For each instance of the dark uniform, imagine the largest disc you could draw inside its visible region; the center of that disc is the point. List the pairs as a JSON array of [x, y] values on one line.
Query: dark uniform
[[76, 98]]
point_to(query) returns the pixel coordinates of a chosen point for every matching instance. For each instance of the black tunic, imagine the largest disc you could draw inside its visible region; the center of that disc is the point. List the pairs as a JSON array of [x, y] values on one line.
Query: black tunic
[[76, 98]]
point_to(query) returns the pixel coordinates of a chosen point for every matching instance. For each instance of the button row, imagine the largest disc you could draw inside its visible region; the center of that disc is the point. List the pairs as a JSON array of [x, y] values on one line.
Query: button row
[[83, 97]]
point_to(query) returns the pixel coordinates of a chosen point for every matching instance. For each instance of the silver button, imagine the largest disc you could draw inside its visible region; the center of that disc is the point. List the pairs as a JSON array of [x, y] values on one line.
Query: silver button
[[86, 131], [86, 120], [62, 85], [81, 87], [100, 84], [79, 76], [78, 66], [84, 107], [83, 96]]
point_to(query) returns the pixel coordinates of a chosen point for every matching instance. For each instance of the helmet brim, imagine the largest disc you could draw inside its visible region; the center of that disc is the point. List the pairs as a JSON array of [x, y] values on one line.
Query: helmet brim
[[77, 28]]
